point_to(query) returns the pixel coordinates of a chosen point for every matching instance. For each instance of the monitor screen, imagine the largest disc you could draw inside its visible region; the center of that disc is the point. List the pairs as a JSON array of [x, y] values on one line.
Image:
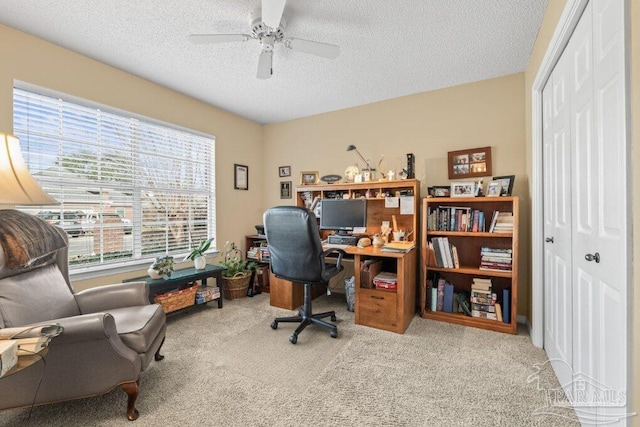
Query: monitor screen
[[343, 214]]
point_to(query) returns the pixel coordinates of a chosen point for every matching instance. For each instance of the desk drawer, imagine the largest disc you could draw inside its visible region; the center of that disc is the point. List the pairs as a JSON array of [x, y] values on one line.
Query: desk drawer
[[377, 309]]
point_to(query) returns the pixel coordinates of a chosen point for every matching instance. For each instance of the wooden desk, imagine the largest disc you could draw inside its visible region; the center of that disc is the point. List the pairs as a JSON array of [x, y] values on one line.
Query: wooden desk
[[390, 310], [182, 277]]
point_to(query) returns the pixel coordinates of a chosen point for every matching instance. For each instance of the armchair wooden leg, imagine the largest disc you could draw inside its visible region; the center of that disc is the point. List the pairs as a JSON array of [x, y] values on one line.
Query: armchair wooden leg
[[158, 357], [132, 390]]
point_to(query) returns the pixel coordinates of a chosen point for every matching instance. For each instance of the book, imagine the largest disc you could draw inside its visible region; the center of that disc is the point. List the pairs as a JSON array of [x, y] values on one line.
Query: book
[[456, 260], [447, 249], [499, 313], [443, 252], [437, 251], [463, 303], [440, 297], [506, 303], [484, 315], [448, 298], [398, 247], [434, 298]]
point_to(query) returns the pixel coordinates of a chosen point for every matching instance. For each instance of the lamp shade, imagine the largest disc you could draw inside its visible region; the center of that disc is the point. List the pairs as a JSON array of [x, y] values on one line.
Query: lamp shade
[[17, 186]]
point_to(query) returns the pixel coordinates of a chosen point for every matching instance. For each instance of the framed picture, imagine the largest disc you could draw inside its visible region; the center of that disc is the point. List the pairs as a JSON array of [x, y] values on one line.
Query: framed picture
[[309, 177], [240, 177], [285, 189], [284, 171], [493, 189], [441, 191], [470, 163], [506, 184], [463, 189]]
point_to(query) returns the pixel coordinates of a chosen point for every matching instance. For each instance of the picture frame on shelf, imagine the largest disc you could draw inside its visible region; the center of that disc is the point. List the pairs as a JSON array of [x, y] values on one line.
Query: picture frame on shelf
[[309, 177], [471, 163], [285, 189], [493, 189], [284, 171], [463, 189], [506, 184], [240, 177], [441, 191]]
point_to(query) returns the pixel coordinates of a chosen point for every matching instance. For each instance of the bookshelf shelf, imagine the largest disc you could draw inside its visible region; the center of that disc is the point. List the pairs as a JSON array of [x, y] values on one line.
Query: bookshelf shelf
[[469, 245]]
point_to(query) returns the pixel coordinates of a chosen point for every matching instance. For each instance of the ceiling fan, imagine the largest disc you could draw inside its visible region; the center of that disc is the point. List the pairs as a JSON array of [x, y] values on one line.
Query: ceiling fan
[[267, 26]]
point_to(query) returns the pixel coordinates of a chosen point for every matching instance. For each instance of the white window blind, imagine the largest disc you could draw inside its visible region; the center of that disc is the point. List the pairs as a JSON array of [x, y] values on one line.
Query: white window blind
[[130, 188]]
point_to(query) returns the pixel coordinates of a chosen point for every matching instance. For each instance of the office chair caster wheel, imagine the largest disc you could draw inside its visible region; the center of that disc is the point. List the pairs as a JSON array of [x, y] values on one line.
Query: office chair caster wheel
[[293, 339], [334, 334], [334, 318], [274, 325]]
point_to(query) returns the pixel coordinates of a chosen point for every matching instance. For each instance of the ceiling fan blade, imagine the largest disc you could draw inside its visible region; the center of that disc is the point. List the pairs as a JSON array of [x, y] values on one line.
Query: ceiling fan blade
[[265, 64], [272, 12], [217, 38], [325, 50]]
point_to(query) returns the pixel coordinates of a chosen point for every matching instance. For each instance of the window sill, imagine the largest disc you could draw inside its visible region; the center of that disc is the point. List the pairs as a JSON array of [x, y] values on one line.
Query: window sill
[[95, 272]]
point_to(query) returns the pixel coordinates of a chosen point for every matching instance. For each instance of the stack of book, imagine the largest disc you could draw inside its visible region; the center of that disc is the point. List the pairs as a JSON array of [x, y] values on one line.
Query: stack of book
[[501, 222], [264, 255], [386, 281], [496, 259], [483, 300], [445, 254]]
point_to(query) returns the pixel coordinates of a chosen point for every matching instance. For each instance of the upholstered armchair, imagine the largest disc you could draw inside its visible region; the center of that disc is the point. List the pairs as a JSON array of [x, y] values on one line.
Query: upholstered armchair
[[110, 335]]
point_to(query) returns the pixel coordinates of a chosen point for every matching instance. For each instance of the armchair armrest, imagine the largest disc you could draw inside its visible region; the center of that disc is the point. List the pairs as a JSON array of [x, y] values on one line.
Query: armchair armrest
[[104, 298], [340, 252]]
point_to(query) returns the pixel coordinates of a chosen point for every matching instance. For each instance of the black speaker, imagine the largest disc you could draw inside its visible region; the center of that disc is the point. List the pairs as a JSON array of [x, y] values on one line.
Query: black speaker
[[411, 166]]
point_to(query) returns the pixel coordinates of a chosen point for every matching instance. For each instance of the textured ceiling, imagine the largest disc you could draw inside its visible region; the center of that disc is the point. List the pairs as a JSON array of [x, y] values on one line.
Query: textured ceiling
[[387, 48]]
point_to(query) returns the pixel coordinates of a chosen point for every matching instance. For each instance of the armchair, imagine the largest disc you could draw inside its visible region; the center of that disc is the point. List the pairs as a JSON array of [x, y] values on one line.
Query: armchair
[[111, 333]]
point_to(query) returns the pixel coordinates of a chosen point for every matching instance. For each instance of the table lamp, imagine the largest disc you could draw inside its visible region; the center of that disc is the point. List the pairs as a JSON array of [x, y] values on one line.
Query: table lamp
[[18, 186], [366, 162]]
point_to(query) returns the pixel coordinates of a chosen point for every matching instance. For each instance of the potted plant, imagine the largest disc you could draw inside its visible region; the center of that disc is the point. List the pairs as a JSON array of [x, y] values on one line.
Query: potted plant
[[162, 266], [235, 279], [197, 254]]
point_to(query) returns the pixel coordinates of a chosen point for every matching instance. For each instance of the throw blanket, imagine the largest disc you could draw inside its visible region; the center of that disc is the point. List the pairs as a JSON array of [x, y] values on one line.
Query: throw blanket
[[26, 239]]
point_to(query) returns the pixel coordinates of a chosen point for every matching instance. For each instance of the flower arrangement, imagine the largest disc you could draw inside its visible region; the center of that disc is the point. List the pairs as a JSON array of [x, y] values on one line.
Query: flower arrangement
[[163, 265], [234, 263]]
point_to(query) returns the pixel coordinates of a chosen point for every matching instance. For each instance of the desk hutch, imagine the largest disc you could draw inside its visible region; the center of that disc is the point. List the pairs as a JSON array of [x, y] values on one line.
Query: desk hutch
[[389, 310]]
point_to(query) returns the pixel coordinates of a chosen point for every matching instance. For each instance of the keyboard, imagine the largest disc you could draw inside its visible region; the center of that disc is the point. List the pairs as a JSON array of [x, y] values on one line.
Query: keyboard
[[334, 245]]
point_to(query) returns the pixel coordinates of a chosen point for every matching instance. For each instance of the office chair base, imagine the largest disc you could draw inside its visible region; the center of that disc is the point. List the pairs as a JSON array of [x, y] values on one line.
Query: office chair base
[[306, 317]]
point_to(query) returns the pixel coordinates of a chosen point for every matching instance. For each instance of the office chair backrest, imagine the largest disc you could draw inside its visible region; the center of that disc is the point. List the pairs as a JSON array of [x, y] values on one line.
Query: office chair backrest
[[294, 244]]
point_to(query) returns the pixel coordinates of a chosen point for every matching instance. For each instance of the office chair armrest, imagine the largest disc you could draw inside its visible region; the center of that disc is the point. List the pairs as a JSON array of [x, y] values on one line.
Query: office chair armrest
[[340, 252]]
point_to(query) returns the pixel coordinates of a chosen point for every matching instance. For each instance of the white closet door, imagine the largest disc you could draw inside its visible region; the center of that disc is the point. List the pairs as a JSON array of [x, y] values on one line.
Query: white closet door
[[599, 208], [557, 220]]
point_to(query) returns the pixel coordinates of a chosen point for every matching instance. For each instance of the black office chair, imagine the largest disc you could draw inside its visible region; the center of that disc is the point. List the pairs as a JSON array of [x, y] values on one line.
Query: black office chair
[[296, 255]]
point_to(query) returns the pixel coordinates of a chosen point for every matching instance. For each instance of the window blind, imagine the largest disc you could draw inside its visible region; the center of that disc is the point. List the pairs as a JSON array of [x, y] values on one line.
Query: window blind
[[129, 188]]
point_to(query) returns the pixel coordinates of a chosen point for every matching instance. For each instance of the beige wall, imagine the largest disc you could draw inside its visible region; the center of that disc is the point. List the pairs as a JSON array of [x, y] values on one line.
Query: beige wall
[[486, 113], [552, 15], [238, 140]]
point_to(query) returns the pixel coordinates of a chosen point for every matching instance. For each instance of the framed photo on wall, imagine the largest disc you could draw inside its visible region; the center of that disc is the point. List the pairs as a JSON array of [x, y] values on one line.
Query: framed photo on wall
[[309, 177], [240, 177], [463, 189], [284, 171], [285, 189], [506, 184], [470, 163]]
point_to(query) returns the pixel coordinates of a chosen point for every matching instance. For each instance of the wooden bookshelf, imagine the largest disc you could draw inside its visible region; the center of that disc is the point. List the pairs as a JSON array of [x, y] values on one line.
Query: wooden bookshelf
[[469, 246]]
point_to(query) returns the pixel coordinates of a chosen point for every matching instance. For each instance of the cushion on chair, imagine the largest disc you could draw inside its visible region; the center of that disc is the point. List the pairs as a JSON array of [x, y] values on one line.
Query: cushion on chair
[[35, 296], [138, 326]]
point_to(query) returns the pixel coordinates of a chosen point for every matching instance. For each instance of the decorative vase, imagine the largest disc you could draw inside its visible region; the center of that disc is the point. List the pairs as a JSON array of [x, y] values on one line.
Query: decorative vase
[[377, 242], [153, 273], [200, 262]]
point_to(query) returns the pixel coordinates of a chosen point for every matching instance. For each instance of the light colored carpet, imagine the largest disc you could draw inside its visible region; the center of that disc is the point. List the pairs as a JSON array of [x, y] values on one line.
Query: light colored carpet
[[229, 368]]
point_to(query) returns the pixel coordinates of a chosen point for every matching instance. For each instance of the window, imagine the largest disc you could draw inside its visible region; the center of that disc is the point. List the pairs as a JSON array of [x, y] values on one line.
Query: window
[[130, 188]]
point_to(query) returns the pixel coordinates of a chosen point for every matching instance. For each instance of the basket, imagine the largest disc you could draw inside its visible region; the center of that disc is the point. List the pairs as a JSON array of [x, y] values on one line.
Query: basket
[[236, 286], [172, 301]]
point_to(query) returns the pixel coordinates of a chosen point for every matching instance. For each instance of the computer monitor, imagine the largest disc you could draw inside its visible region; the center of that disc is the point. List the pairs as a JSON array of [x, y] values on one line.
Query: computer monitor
[[343, 215]]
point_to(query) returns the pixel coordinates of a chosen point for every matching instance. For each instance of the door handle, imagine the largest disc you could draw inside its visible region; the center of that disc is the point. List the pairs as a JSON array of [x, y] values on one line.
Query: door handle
[[549, 240], [593, 257]]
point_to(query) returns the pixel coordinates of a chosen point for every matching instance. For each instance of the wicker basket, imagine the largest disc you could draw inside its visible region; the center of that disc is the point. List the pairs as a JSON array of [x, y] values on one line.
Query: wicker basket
[[236, 286], [172, 301]]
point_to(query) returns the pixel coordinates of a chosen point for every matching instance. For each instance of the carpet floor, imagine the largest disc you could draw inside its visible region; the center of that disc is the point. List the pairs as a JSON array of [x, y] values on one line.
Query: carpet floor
[[227, 367]]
